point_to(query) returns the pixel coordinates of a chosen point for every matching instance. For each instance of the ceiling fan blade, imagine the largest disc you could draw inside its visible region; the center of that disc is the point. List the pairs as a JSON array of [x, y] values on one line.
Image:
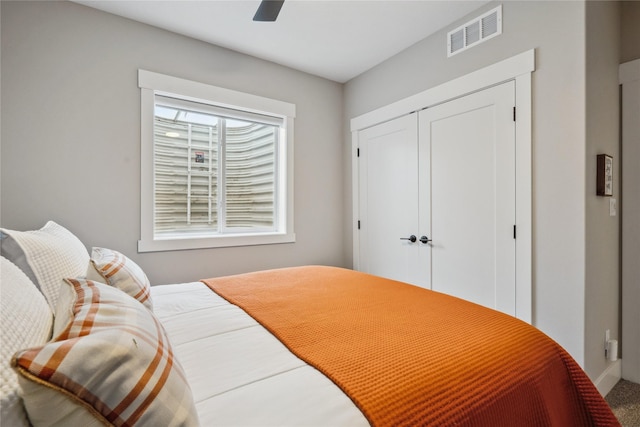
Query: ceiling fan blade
[[268, 10]]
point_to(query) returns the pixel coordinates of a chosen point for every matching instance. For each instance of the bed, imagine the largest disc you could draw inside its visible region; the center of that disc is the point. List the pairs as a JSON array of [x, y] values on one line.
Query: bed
[[87, 341]]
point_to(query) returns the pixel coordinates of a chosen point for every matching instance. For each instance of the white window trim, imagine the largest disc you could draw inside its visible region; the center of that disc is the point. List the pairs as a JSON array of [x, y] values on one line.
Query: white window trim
[[150, 84]]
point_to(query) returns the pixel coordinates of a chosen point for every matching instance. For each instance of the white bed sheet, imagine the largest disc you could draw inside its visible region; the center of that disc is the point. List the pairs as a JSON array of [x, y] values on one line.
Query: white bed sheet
[[240, 374]]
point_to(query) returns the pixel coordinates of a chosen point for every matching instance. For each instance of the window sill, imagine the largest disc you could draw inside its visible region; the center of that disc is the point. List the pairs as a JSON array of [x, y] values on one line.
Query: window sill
[[213, 242]]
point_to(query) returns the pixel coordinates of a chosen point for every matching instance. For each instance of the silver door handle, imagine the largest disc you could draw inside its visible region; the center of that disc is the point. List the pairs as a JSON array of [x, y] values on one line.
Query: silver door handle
[[411, 238], [425, 239]]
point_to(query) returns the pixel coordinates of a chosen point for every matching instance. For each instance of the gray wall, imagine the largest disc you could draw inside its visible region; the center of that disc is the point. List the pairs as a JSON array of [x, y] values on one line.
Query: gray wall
[[71, 135], [556, 30], [602, 288]]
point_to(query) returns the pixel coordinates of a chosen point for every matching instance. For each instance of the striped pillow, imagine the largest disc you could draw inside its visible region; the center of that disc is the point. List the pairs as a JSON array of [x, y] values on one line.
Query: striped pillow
[[111, 362], [115, 269]]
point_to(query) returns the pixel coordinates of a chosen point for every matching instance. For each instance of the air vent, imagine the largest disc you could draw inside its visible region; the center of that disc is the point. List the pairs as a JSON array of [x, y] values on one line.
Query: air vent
[[475, 31]]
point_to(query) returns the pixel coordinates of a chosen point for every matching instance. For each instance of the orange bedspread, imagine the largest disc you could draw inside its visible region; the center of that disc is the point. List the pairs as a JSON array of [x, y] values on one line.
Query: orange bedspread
[[410, 356]]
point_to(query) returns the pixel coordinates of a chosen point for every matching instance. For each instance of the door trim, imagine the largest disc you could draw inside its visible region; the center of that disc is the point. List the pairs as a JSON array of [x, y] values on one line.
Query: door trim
[[500, 72], [517, 68]]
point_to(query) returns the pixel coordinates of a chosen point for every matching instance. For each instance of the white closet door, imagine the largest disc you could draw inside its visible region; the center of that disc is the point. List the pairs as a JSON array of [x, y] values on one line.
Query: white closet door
[[467, 196], [388, 169]]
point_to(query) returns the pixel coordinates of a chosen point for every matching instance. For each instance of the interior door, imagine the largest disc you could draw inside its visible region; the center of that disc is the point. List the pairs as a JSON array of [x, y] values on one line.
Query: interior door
[[467, 196], [388, 204]]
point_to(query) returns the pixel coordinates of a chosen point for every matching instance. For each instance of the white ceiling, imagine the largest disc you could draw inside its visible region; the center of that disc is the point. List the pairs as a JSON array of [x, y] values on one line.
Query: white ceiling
[[335, 39]]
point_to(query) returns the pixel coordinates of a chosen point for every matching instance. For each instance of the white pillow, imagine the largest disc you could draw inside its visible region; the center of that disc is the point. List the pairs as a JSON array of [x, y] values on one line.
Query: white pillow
[[26, 321], [115, 269], [46, 256], [112, 362]]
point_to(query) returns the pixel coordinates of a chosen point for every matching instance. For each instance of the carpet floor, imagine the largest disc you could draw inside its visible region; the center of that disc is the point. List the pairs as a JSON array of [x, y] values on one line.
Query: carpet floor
[[624, 400]]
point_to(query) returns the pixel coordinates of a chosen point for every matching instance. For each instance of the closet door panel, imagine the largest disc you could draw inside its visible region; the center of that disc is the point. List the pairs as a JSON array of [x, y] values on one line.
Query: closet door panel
[[467, 196], [388, 167]]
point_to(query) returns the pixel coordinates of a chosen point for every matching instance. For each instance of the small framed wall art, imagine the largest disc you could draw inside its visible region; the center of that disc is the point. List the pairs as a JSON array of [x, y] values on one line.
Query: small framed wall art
[[604, 176]]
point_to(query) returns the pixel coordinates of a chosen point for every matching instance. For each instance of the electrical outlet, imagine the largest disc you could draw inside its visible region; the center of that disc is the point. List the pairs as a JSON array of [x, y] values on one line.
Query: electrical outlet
[[606, 342]]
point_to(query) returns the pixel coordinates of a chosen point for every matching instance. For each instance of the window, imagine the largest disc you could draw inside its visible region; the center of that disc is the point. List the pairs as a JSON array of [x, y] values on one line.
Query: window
[[216, 166]]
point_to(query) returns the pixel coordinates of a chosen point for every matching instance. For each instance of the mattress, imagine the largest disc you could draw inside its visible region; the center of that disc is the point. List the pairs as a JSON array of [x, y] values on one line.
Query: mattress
[[326, 346], [239, 373]]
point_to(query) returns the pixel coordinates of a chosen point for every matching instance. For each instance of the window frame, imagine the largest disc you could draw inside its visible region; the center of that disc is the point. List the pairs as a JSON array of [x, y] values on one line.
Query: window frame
[[152, 84]]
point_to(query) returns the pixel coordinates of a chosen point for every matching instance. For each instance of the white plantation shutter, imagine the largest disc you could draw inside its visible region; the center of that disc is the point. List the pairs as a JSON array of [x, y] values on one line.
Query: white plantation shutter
[[215, 169]]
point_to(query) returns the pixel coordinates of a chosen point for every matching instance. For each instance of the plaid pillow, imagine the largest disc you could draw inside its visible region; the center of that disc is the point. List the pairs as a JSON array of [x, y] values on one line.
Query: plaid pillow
[[112, 362], [117, 270]]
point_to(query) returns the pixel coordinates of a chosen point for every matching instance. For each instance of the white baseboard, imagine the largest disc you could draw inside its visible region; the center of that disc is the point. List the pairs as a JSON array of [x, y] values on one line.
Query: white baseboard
[[609, 378]]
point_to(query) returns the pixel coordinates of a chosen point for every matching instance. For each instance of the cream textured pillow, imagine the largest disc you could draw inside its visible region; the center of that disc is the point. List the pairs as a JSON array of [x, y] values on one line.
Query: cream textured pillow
[[112, 362], [117, 270], [46, 256], [26, 321]]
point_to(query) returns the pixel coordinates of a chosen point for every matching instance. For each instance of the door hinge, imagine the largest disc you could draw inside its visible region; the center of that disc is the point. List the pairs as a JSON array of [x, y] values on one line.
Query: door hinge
[[514, 231], [358, 224], [358, 152], [514, 114]]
